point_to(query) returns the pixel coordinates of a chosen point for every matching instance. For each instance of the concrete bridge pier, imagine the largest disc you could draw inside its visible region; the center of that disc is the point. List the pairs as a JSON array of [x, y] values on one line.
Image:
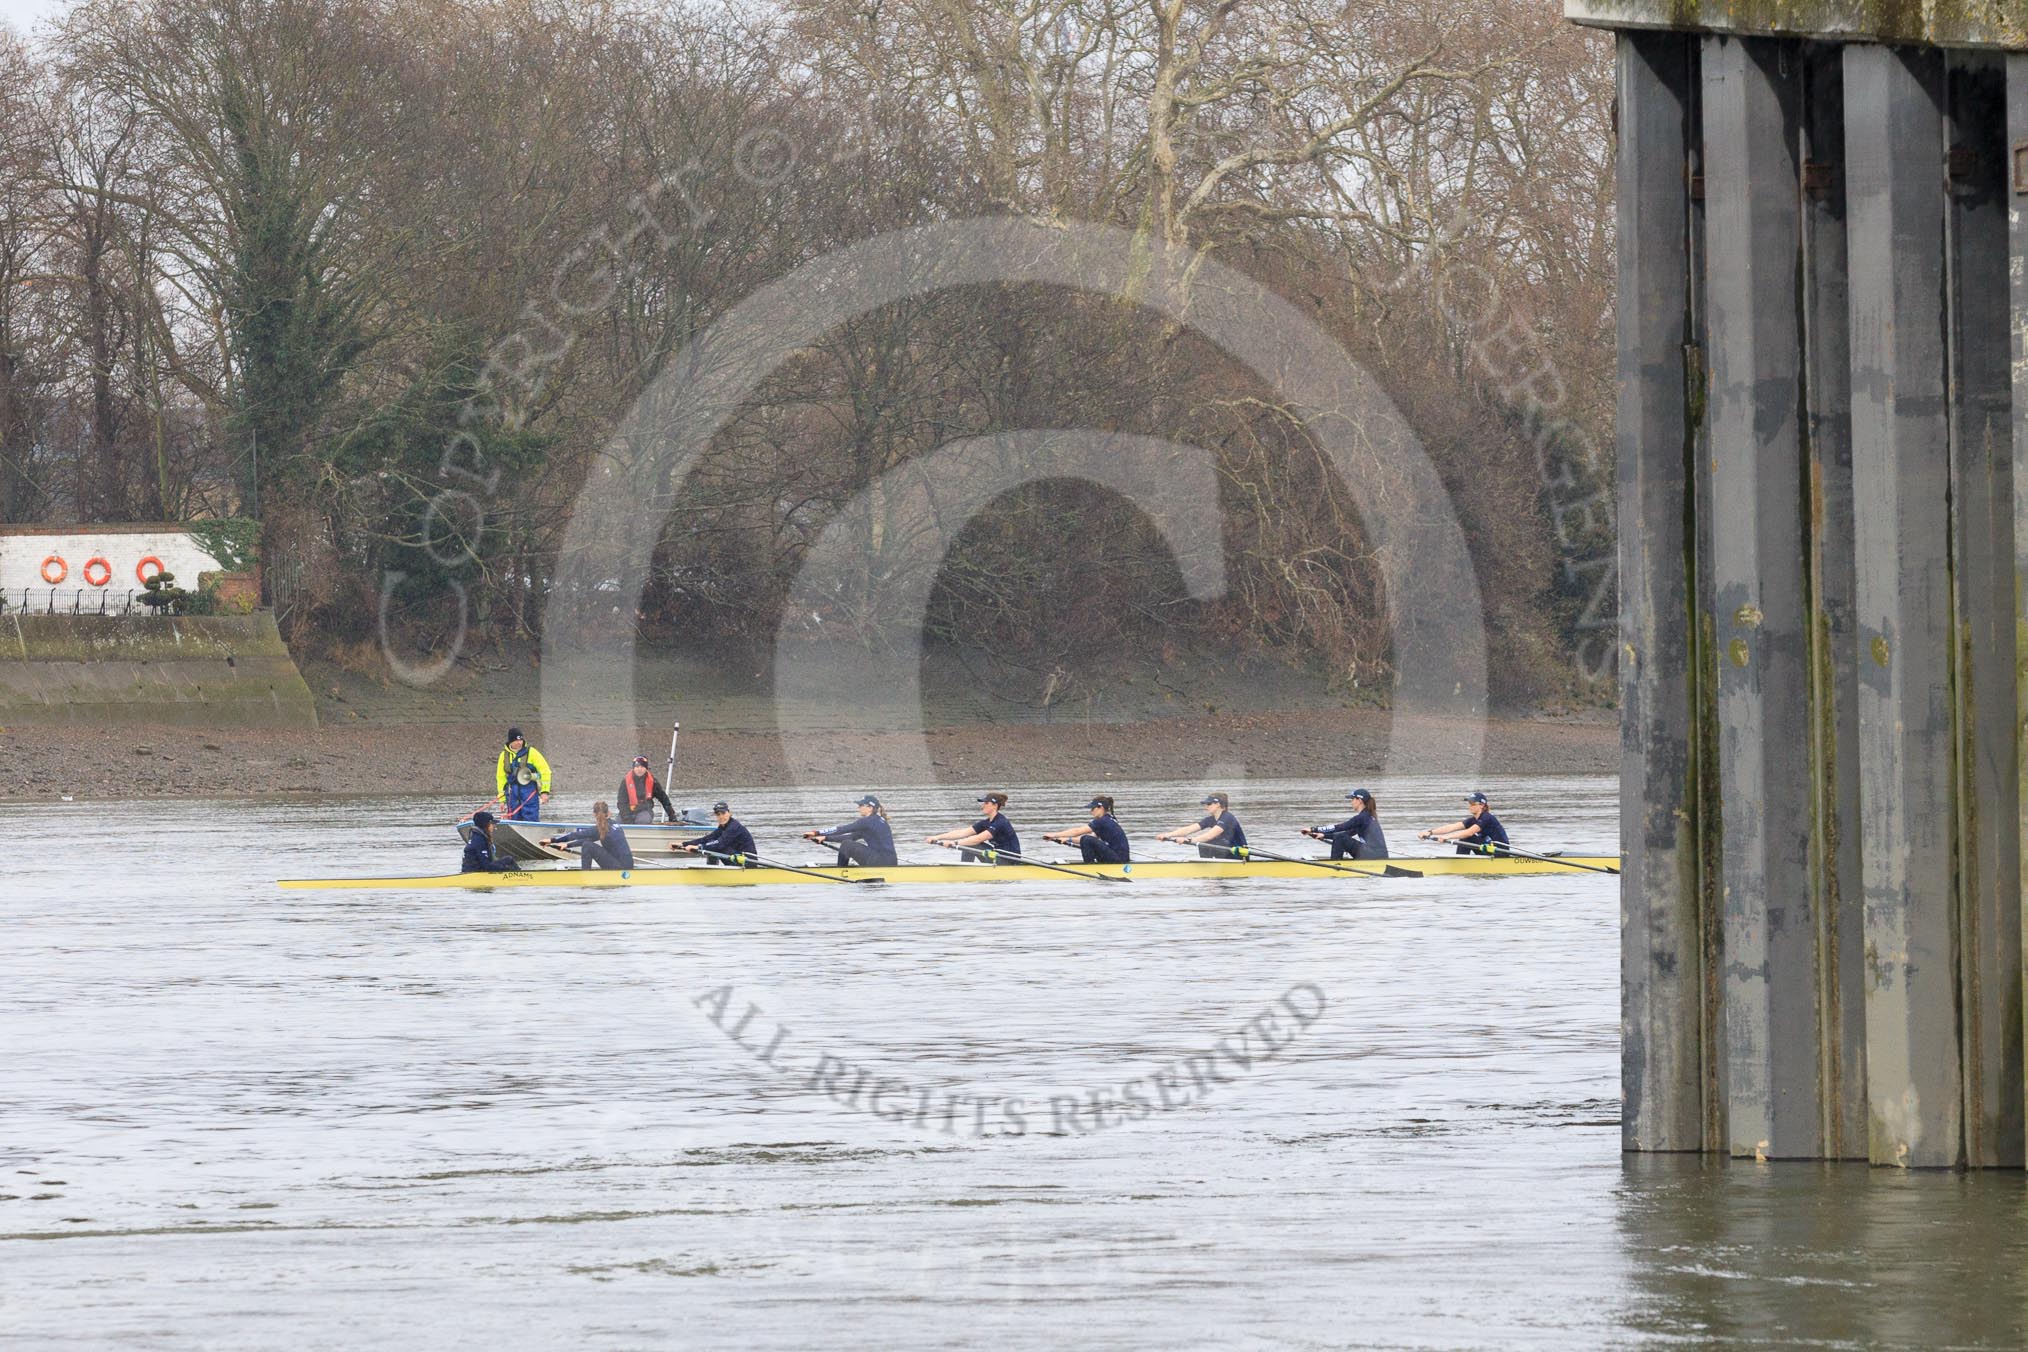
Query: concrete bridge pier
[[1822, 295]]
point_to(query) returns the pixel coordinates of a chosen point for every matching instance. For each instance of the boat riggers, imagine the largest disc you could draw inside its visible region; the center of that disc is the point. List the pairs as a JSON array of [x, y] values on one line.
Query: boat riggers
[[746, 861], [765, 871], [1244, 852], [1498, 849], [993, 856]]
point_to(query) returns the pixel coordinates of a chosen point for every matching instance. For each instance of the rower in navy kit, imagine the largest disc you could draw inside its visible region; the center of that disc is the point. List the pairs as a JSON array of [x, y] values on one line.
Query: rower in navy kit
[[1357, 837], [1217, 835], [986, 838], [1101, 841], [479, 855], [600, 845], [1479, 833], [727, 838], [867, 841]]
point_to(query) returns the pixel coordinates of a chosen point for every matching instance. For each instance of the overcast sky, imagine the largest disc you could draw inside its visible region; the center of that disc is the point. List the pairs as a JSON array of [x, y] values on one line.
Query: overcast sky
[[23, 13]]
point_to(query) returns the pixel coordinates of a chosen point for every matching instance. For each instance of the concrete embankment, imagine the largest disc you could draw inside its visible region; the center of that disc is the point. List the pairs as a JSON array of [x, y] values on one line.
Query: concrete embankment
[[201, 671]]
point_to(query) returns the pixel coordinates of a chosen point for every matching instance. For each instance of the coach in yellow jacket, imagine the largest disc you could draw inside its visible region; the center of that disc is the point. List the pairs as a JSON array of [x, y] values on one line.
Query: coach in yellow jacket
[[521, 780]]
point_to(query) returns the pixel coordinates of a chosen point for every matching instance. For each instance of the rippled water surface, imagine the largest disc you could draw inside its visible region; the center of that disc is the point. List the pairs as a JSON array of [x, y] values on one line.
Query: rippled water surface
[[1333, 1113]]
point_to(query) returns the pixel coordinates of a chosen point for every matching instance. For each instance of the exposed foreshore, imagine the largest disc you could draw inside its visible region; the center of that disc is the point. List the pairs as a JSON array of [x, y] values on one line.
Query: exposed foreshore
[[351, 757]]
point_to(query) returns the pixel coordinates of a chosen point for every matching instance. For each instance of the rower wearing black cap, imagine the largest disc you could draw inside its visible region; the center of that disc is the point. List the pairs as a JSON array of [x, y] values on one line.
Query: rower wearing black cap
[[866, 841], [479, 856], [992, 832], [728, 837], [1359, 835], [1216, 835], [1102, 841], [1477, 833]]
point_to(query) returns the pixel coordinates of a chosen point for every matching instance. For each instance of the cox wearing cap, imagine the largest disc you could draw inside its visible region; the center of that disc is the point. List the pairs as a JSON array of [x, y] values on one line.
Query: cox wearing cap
[[1479, 833], [479, 855], [1101, 840]]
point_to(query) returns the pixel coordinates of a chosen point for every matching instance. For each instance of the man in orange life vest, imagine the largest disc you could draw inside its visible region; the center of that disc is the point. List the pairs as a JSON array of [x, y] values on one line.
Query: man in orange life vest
[[639, 792]]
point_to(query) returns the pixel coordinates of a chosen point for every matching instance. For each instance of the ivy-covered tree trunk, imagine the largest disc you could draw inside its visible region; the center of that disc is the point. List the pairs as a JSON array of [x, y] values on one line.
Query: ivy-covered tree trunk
[[271, 108], [294, 332]]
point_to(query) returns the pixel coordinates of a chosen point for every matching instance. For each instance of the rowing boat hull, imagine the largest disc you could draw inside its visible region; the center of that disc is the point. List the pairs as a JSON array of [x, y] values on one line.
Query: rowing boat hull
[[1194, 870]]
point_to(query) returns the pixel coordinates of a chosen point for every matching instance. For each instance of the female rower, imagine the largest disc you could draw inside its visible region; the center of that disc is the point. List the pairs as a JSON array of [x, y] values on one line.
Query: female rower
[[479, 856], [600, 845], [1217, 835], [1358, 836], [1103, 841], [865, 842], [988, 837], [1479, 833], [728, 838]]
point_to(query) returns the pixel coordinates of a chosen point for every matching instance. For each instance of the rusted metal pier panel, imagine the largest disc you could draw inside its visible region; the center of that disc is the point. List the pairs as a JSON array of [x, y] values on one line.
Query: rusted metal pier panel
[[1831, 574], [1662, 1001], [1773, 1043], [1982, 596], [1822, 402], [1901, 461], [2017, 176]]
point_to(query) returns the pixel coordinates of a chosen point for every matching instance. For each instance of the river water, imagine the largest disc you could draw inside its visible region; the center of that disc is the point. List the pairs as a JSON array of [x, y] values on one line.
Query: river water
[[1345, 1113]]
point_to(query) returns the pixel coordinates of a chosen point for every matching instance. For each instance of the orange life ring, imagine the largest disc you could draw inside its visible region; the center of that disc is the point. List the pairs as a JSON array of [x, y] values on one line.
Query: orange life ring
[[62, 570], [105, 573], [140, 575]]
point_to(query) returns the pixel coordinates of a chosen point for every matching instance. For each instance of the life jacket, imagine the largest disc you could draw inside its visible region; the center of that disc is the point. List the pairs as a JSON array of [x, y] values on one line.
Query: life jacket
[[640, 789]]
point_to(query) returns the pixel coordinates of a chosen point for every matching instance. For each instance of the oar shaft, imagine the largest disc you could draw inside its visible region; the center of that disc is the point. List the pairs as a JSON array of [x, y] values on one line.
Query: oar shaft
[[1496, 850], [744, 859], [989, 852], [475, 812], [1246, 851]]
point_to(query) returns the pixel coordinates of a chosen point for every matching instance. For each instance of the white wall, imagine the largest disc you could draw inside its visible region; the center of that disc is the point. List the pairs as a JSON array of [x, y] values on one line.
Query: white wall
[[21, 559]]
